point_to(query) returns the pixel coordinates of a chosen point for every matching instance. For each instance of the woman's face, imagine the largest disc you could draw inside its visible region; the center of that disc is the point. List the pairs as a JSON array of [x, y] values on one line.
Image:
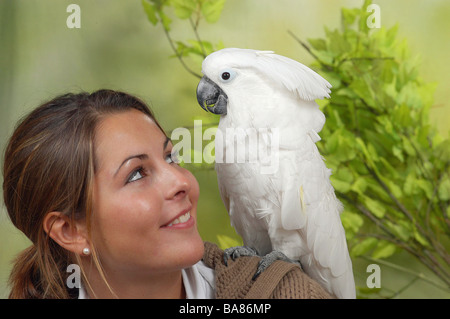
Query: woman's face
[[145, 205]]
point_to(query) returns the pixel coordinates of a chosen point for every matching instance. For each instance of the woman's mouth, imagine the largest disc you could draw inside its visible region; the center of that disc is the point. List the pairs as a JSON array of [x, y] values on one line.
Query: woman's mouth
[[182, 219]]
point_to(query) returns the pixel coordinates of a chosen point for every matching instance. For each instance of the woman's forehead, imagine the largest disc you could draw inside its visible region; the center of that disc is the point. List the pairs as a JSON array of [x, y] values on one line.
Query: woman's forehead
[[124, 134]]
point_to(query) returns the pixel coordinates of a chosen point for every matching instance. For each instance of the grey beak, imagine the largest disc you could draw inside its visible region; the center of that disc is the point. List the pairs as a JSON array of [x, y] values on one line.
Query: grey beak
[[211, 97]]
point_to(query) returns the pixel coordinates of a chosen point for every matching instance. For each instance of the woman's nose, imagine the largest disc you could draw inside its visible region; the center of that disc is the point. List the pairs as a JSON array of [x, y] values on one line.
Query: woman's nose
[[178, 184]]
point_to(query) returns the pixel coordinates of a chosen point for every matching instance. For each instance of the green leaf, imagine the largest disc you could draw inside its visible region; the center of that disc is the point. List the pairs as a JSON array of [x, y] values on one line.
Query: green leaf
[[341, 144], [211, 10], [361, 87], [339, 185], [444, 189], [401, 229], [336, 43], [390, 169], [378, 191], [352, 222], [359, 186], [390, 36], [375, 207], [442, 151], [422, 240], [384, 249], [364, 247], [362, 146], [393, 187], [150, 10], [199, 46], [372, 152], [344, 174], [334, 79], [349, 16], [402, 115], [398, 153], [184, 8], [363, 27], [410, 185], [407, 146], [318, 44], [426, 186], [325, 57], [165, 20], [181, 49], [387, 71]]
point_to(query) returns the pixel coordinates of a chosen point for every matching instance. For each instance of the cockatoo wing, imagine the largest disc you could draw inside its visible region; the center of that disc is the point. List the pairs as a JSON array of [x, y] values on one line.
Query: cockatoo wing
[[329, 261], [248, 198]]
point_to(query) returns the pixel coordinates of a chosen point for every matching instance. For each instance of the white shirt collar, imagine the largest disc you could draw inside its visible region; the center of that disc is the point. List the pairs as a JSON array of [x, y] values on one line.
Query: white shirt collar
[[199, 281]]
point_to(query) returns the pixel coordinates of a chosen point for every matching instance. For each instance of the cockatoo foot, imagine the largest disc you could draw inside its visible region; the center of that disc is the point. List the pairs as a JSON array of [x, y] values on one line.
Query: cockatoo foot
[[236, 252], [269, 259]]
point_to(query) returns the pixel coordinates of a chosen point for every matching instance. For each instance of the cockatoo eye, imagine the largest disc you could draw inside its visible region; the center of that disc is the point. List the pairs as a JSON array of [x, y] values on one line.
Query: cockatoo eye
[[227, 75]]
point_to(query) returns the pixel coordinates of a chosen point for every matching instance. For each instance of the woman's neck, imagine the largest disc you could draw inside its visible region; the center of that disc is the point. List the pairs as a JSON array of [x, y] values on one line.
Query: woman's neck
[[161, 286]]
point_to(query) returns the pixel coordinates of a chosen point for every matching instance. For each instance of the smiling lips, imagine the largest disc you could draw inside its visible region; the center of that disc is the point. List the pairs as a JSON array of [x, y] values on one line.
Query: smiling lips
[[183, 220]]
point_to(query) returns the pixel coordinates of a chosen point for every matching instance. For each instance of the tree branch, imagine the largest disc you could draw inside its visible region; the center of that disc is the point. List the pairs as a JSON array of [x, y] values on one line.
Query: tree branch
[[180, 58], [304, 45], [194, 27]]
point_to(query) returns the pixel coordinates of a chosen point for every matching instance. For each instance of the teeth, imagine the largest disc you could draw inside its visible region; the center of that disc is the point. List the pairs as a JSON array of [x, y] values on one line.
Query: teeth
[[182, 219]]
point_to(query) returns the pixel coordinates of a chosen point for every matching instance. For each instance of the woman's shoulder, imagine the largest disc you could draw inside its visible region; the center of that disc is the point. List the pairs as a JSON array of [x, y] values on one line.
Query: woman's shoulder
[[279, 280]]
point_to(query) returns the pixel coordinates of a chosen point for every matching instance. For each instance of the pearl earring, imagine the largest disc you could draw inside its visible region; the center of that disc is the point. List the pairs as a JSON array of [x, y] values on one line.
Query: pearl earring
[[86, 251]]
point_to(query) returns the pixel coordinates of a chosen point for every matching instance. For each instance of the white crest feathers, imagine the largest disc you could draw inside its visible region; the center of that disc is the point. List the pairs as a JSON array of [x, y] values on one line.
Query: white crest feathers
[[296, 77]]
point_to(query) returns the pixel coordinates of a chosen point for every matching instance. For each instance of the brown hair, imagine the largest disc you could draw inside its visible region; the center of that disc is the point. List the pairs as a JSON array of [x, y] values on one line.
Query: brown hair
[[49, 165]]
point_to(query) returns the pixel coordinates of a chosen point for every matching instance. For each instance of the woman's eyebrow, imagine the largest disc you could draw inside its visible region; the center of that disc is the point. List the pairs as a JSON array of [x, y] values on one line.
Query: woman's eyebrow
[[142, 156], [139, 156]]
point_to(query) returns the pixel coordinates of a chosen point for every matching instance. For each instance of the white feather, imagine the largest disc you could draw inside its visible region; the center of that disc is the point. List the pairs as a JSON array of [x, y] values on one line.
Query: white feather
[[296, 77]]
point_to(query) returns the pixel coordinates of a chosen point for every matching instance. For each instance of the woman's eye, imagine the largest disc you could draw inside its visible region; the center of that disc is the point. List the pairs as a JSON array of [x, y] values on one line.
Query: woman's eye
[[173, 158], [136, 175]]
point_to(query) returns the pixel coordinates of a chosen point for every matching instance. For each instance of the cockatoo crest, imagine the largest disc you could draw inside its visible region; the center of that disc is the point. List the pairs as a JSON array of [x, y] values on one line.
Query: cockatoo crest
[[294, 76]]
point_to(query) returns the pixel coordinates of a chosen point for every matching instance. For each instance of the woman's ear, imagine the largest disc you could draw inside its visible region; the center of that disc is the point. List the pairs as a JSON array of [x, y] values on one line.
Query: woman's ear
[[72, 237]]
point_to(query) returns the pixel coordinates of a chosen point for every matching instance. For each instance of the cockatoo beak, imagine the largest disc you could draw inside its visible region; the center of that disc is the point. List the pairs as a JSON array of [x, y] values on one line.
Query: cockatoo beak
[[211, 97]]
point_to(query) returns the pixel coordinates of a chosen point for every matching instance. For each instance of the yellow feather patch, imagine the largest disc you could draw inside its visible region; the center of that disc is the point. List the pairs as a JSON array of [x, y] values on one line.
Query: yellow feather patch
[[302, 199]]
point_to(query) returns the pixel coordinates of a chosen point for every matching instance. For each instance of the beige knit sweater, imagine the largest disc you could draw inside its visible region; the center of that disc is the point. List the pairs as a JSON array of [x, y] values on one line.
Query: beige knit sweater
[[281, 280]]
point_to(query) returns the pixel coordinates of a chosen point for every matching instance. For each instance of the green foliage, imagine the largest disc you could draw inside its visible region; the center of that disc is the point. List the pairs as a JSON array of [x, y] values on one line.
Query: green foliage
[[192, 10], [391, 167]]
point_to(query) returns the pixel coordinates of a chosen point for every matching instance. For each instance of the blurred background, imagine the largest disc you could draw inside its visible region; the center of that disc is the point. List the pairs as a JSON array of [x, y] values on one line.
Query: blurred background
[[117, 48]]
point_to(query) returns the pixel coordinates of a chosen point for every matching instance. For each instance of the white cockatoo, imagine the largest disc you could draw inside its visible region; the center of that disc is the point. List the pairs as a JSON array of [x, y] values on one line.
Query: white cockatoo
[[277, 191]]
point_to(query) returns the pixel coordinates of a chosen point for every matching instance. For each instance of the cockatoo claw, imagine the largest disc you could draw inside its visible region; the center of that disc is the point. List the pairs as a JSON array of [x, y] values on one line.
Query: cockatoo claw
[[269, 259], [236, 252]]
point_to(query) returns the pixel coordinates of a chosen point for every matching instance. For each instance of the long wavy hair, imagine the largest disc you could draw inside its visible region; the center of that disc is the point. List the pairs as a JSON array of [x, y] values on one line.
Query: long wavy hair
[[49, 165]]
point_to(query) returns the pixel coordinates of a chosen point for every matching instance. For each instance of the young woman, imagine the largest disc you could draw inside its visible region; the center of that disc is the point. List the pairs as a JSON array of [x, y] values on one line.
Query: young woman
[[90, 180]]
